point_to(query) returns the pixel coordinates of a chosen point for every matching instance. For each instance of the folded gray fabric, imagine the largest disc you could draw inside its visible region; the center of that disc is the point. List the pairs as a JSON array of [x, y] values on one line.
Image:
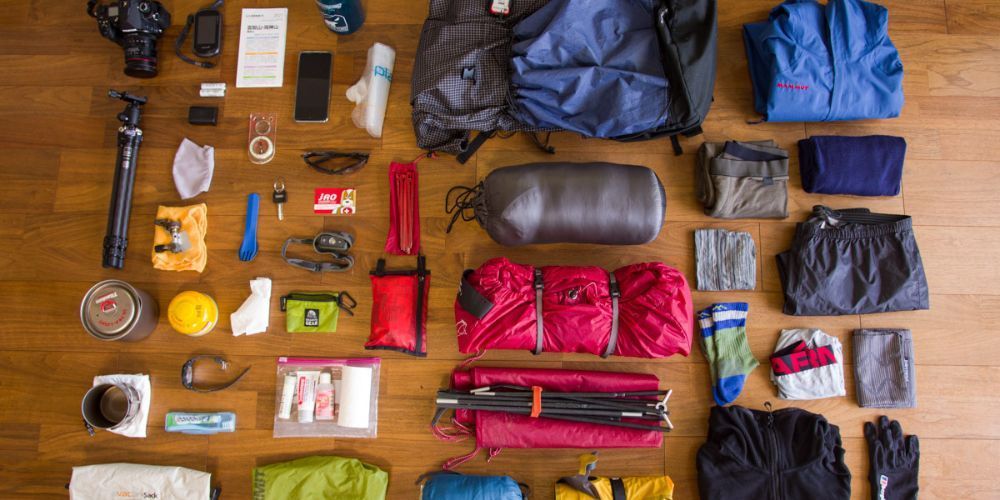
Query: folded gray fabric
[[726, 260], [743, 179], [884, 368], [808, 364], [193, 168]]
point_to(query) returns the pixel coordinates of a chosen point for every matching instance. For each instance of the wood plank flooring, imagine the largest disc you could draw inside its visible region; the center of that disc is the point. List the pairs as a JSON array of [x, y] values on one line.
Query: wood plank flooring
[[58, 130]]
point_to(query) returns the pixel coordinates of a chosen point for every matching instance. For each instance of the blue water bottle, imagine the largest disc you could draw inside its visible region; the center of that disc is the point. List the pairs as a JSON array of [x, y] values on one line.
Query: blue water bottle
[[343, 17]]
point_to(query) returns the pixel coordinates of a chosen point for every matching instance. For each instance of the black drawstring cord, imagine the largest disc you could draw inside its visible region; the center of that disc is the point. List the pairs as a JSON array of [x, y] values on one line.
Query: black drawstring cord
[[468, 198]]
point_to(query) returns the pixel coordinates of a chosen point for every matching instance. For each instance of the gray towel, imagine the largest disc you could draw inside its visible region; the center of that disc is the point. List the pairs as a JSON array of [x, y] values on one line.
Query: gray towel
[[726, 260], [884, 369]]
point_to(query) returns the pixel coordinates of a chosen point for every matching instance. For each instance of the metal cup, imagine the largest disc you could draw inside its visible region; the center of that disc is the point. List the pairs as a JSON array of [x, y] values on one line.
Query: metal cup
[[108, 406]]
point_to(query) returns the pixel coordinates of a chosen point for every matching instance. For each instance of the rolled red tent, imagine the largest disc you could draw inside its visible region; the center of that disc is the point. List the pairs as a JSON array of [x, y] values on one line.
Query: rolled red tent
[[639, 310]]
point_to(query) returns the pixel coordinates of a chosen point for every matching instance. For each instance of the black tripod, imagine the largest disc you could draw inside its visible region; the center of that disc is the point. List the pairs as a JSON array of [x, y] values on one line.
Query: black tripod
[[129, 139]]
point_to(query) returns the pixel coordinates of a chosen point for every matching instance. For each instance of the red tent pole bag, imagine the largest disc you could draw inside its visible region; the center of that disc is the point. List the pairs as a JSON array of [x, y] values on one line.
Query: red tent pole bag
[[497, 430]]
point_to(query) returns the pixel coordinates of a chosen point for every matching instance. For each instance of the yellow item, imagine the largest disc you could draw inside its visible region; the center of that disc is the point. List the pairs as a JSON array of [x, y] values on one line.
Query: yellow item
[[193, 313], [194, 220], [636, 488]]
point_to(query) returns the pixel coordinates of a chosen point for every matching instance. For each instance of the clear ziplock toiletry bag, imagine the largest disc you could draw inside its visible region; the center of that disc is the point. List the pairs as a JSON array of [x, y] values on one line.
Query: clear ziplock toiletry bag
[[323, 397]]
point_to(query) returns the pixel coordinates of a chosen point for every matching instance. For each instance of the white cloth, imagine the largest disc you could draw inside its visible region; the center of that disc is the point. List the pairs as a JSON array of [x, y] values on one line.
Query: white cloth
[[140, 382], [193, 168], [814, 383], [253, 316], [102, 481], [371, 93]]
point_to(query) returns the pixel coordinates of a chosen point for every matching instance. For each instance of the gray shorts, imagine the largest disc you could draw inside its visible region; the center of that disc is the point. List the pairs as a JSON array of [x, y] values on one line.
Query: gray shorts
[[743, 179]]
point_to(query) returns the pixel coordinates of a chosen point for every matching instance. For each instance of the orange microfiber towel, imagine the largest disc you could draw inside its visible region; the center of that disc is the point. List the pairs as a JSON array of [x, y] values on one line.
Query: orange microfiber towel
[[194, 221]]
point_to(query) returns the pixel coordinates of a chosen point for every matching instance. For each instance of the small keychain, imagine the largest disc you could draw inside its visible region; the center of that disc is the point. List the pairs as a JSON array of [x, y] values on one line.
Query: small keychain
[[280, 196]]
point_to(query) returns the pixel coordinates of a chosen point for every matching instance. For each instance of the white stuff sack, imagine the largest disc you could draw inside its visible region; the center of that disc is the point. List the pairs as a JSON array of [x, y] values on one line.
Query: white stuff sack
[[116, 481]]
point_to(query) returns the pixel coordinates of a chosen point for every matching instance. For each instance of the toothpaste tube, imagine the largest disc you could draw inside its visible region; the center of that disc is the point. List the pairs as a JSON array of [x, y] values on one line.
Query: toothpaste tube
[[200, 423]]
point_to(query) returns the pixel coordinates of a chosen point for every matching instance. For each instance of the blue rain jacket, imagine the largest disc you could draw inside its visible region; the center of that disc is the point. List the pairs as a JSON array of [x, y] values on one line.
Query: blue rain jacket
[[810, 62], [590, 66]]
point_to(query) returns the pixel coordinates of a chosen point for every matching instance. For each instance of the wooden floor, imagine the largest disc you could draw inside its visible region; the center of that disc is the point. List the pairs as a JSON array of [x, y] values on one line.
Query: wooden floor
[[58, 133]]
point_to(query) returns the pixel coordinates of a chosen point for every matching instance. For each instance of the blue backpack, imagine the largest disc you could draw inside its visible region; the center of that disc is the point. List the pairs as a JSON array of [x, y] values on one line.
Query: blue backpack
[[626, 70]]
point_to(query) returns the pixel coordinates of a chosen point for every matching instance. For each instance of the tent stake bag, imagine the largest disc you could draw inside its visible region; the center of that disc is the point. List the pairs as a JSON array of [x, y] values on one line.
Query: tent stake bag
[[647, 71], [640, 310], [562, 202]]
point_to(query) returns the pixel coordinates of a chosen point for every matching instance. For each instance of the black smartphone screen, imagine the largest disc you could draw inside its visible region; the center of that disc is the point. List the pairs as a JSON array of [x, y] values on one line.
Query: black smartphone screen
[[312, 90]]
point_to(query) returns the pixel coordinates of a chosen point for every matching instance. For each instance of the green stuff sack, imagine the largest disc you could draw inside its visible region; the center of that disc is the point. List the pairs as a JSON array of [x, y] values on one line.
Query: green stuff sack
[[317, 478], [315, 312]]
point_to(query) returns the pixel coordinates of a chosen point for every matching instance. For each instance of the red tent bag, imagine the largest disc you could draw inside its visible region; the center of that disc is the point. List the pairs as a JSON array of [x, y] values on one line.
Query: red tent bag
[[640, 310], [496, 430]]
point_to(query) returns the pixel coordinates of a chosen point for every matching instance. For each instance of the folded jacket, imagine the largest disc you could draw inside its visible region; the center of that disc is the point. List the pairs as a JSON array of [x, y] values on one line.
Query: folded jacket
[[884, 369], [743, 179], [194, 221], [864, 166], [807, 364], [814, 62]]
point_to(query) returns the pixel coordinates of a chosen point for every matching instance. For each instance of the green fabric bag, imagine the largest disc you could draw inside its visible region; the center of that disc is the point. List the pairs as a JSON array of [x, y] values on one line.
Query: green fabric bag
[[315, 312], [320, 478]]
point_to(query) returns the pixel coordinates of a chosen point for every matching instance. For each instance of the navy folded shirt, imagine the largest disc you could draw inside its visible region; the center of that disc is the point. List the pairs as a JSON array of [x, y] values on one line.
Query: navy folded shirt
[[871, 165]]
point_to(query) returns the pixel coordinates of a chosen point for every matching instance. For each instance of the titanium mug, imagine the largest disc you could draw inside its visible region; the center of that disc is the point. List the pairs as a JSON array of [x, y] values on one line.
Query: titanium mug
[[115, 310], [109, 406]]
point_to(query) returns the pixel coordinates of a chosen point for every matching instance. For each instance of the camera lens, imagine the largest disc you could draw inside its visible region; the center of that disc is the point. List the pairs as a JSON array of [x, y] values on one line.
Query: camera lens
[[140, 55]]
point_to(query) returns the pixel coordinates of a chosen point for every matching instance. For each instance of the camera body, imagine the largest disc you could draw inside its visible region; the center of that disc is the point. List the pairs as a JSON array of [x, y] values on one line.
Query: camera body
[[136, 25]]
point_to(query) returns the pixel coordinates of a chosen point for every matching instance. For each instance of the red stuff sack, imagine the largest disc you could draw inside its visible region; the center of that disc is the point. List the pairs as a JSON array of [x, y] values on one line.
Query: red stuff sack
[[639, 310], [399, 309]]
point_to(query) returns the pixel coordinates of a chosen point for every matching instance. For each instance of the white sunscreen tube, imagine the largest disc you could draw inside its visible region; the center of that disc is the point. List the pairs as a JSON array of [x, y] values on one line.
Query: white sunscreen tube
[[287, 394], [307, 395]]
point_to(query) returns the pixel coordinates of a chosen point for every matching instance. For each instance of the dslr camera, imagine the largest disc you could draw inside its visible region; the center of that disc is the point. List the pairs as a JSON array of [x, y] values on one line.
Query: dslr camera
[[136, 25]]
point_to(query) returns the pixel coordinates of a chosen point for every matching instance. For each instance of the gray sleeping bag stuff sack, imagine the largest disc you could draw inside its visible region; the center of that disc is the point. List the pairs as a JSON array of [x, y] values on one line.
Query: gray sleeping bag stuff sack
[[619, 69], [602, 203]]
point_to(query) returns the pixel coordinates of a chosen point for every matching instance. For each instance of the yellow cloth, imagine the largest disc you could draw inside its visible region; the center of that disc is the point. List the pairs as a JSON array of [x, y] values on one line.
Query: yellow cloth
[[194, 220], [636, 488]]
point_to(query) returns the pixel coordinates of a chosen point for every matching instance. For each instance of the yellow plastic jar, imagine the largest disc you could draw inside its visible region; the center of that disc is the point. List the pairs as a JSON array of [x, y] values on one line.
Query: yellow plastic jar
[[193, 313]]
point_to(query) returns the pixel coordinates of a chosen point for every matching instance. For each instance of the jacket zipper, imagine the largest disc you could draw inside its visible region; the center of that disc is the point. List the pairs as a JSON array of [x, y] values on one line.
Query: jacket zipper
[[774, 451]]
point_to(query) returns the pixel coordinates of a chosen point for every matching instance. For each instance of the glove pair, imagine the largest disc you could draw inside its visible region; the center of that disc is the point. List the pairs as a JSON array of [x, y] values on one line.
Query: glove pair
[[893, 459]]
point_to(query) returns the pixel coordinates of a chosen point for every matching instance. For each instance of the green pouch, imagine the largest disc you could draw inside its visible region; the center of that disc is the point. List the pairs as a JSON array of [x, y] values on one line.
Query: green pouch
[[315, 312]]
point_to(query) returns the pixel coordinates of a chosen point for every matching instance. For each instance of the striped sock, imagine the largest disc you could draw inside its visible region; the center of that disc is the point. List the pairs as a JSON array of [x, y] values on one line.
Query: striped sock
[[733, 359], [707, 328]]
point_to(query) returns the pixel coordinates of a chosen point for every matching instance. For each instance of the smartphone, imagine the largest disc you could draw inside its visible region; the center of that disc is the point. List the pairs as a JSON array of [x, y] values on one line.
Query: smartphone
[[312, 89]]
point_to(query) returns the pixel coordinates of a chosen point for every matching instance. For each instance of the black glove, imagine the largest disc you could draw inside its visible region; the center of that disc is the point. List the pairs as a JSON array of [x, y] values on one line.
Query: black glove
[[893, 460]]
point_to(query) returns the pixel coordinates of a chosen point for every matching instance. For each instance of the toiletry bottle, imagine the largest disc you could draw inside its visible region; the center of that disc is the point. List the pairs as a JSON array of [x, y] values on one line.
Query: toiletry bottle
[[324, 397]]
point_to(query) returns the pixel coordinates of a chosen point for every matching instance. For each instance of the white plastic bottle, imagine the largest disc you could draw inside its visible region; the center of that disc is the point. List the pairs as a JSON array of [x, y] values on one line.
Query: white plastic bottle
[[371, 93], [324, 397]]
